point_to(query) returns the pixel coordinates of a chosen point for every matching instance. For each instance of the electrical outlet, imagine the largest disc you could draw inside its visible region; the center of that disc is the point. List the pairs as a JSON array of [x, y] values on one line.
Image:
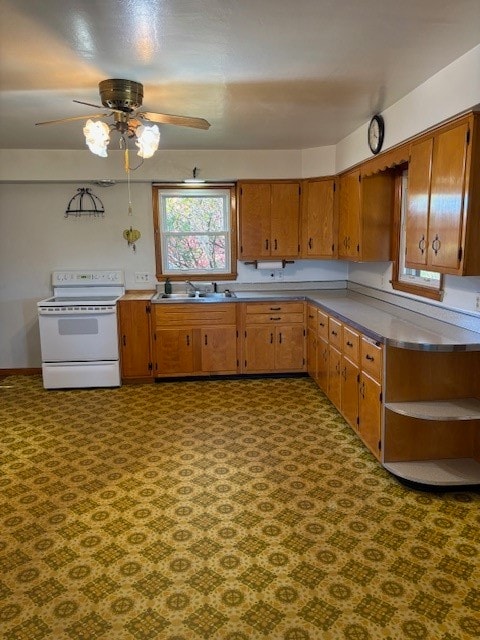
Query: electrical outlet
[[477, 304], [279, 274], [142, 276]]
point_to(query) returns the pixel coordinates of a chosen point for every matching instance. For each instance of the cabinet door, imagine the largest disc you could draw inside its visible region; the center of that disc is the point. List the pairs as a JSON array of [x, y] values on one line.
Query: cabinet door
[[174, 351], [254, 220], [349, 215], [418, 202], [134, 319], [290, 348], [334, 376], [219, 349], [370, 412], [318, 219], [349, 392], [285, 219], [447, 198], [312, 355], [323, 364], [259, 349]]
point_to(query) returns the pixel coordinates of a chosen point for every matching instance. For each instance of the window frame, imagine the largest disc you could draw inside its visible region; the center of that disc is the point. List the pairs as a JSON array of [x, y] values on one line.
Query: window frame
[[157, 189], [415, 286]]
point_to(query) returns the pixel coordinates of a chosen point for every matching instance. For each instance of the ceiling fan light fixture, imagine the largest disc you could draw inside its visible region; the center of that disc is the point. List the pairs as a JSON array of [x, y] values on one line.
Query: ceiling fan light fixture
[[148, 139], [97, 137]]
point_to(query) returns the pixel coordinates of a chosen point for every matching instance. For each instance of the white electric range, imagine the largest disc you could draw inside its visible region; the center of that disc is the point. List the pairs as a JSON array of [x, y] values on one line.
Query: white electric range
[[78, 329]]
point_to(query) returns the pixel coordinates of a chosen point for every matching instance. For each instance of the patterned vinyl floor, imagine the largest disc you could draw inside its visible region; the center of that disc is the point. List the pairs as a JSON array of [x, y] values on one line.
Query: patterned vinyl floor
[[218, 510]]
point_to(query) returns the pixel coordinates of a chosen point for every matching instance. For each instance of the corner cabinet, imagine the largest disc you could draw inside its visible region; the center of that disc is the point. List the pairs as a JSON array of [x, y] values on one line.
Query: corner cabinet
[[365, 211], [135, 333], [442, 218], [319, 218], [269, 219]]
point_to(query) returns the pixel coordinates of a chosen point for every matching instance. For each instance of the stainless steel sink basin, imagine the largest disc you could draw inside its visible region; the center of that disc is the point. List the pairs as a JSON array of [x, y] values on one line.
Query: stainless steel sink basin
[[191, 297]]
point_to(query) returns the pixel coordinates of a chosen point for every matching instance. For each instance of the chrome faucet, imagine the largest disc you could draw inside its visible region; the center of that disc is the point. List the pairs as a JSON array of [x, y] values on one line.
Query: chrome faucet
[[195, 289]]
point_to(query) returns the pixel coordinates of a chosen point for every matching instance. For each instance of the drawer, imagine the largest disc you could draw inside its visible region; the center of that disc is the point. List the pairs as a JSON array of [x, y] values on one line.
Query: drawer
[[274, 317], [335, 332], [371, 358], [351, 344], [274, 307], [312, 317], [194, 315], [322, 327]]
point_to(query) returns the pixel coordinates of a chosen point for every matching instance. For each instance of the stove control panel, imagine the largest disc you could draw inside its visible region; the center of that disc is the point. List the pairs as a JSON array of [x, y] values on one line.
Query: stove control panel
[[86, 278]]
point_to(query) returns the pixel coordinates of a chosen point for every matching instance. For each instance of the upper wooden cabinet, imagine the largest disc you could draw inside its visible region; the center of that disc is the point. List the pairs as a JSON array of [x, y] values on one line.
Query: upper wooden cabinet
[[365, 216], [318, 218], [442, 220], [269, 219]]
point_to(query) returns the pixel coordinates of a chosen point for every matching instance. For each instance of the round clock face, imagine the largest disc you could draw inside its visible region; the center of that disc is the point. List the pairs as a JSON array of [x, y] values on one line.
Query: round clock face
[[376, 130]]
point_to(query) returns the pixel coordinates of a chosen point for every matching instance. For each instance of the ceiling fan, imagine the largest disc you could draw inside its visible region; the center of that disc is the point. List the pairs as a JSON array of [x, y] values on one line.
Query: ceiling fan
[[123, 98]]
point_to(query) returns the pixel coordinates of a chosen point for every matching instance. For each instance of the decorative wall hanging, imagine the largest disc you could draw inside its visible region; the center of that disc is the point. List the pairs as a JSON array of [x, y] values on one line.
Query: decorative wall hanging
[[131, 236], [85, 203]]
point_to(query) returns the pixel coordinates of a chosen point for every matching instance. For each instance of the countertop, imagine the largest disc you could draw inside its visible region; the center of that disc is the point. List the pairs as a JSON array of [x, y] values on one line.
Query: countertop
[[386, 323]]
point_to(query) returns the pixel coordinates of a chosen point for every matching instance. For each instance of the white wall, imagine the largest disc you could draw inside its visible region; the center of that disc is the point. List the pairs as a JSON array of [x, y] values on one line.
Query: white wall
[[35, 238]]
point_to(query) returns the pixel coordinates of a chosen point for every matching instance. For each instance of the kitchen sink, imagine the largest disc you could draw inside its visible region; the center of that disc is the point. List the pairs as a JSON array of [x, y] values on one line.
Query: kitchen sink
[[198, 295]]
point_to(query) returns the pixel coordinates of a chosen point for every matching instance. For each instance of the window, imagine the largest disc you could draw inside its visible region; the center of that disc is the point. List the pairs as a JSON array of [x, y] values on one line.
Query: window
[[428, 284], [195, 231]]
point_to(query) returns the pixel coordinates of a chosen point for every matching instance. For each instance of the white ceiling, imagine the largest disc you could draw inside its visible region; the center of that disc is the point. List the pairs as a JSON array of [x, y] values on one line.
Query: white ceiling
[[267, 74]]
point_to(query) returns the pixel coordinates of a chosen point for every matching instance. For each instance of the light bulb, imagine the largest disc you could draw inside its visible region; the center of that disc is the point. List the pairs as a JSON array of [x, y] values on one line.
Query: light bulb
[[148, 139], [97, 137]]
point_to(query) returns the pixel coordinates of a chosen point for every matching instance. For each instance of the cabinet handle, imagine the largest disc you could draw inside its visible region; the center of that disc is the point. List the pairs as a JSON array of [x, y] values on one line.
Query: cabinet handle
[[344, 373], [436, 244], [266, 244], [275, 308], [421, 244], [345, 242], [271, 338], [322, 324], [368, 357], [280, 338], [349, 344], [188, 340], [362, 389], [275, 318], [275, 244], [310, 243], [206, 340], [124, 341], [310, 316], [334, 333]]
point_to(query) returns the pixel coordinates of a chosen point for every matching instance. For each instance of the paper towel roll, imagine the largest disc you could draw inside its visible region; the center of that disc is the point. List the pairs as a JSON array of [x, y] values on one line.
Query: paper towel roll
[[269, 264]]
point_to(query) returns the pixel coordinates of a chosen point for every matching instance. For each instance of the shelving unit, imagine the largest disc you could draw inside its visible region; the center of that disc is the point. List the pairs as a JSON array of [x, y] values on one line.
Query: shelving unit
[[432, 416]]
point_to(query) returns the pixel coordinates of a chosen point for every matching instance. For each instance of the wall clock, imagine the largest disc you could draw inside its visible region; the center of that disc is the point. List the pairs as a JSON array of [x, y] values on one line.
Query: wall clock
[[376, 132]]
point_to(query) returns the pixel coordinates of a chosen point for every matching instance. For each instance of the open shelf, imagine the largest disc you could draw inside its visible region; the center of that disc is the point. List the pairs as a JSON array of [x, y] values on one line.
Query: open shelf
[[449, 472], [451, 410]]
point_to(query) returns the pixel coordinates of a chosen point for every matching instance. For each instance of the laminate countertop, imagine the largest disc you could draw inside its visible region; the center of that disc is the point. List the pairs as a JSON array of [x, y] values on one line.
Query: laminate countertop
[[384, 322]]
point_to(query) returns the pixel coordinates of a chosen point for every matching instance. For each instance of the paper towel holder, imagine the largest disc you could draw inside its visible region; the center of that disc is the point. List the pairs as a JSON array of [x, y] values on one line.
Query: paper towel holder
[[284, 262]]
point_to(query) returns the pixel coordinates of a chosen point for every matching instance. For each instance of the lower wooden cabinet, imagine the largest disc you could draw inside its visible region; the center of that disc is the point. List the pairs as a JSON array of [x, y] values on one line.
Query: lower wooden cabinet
[[135, 339], [273, 337], [195, 339], [348, 368]]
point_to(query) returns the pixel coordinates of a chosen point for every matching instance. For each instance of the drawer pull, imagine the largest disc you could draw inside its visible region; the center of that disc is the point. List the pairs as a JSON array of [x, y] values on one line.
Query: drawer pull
[[275, 318], [368, 357], [275, 308], [322, 324], [334, 333], [349, 344]]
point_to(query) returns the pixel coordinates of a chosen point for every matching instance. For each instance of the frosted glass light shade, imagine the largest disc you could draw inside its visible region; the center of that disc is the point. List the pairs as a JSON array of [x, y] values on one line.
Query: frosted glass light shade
[[148, 139], [97, 137]]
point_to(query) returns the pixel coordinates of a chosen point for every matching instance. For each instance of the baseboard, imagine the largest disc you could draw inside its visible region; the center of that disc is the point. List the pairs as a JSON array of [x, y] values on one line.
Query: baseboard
[[28, 371]]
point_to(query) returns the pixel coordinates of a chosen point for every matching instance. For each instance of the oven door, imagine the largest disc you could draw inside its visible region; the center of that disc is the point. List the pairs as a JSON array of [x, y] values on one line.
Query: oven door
[[68, 335]]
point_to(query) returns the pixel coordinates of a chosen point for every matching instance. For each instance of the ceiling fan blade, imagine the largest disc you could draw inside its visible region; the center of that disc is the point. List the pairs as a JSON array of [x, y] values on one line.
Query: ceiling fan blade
[[89, 104], [182, 121], [96, 115]]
